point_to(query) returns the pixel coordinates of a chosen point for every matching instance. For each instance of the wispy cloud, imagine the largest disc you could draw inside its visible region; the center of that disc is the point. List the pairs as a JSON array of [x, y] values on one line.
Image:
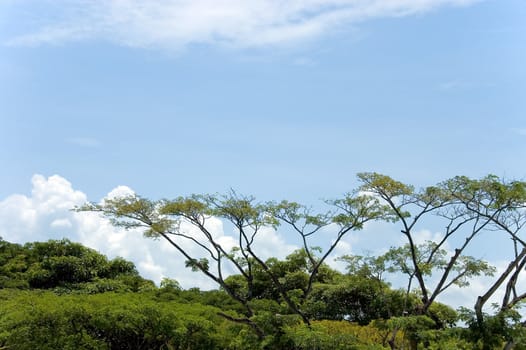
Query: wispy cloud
[[175, 24], [304, 61], [454, 85], [88, 142], [463, 85]]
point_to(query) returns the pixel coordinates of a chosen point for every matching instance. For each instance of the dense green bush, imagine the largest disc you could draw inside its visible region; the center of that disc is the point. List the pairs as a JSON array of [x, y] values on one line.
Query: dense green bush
[[66, 266], [44, 320], [61, 295]]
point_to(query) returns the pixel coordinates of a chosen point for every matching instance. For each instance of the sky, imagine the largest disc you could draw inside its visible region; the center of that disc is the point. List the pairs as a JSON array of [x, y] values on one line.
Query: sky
[[280, 100]]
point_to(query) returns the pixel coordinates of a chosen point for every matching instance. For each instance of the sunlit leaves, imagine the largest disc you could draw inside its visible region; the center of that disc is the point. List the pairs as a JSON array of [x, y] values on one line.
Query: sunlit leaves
[[191, 207], [62, 264], [365, 266], [469, 267], [489, 193], [462, 208], [107, 321], [357, 209], [198, 264], [384, 185], [431, 260], [128, 212]]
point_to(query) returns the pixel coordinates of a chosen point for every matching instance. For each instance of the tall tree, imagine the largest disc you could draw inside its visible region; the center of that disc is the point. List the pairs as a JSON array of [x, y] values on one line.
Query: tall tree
[[502, 205], [183, 223], [413, 210]]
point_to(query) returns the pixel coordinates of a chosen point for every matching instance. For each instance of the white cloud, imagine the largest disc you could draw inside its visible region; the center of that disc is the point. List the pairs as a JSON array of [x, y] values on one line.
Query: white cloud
[[467, 296], [269, 243], [46, 214], [120, 191], [25, 218], [423, 236], [343, 248], [176, 24], [61, 223]]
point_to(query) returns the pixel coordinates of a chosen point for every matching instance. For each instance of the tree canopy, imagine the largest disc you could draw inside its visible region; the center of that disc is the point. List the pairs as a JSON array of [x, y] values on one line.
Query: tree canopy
[[464, 208], [298, 302]]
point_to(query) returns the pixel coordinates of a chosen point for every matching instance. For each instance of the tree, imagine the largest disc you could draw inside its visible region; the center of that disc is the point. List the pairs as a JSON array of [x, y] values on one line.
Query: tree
[[12, 265], [183, 221], [463, 209], [501, 205], [410, 208], [65, 266]]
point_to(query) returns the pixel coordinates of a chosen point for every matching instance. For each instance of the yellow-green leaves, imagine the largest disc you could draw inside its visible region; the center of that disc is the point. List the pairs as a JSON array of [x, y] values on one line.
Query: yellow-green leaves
[[455, 211], [128, 212], [383, 185], [192, 206], [488, 192], [242, 211], [355, 209]]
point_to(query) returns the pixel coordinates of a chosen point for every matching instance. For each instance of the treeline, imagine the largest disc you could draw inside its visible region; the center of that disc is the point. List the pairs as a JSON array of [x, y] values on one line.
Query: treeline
[[62, 295], [466, 212]]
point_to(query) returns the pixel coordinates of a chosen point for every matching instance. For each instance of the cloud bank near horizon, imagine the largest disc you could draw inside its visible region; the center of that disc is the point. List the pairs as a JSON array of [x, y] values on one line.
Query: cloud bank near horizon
[[176, 24], [46, 214]]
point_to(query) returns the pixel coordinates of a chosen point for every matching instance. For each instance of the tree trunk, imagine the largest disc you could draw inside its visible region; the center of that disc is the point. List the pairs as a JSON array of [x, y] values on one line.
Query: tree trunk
[[391, 341]]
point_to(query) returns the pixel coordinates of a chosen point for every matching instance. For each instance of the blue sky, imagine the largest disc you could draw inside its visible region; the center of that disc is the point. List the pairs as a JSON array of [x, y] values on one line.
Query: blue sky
[[420, 97], [280, 100]]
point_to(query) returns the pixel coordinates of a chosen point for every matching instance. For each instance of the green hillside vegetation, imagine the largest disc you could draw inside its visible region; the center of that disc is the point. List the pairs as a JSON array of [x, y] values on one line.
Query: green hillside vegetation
[[271, 294], [62, 295]]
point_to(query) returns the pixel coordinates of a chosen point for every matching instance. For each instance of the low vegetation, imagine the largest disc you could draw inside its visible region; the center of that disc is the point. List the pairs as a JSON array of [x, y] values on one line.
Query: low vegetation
[[62, 295]]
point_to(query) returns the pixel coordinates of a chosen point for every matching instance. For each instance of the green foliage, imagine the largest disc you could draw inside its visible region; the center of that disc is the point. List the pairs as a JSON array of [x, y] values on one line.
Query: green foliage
[[169, 284], [358, 209], [493, 330], [384, 185], [490, 191], [66, 267], [443, 315], [354, 298], [262, 303], [430, 259], [96, 303], [365, 266], [292, 273], [105, 321], [197, 264], [13, 264], [330, 335]]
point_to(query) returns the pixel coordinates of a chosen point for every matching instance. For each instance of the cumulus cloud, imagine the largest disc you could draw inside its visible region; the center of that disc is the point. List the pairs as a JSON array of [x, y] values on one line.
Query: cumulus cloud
[[176, 24], [119, 192], [46, 214], [23, 217]]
